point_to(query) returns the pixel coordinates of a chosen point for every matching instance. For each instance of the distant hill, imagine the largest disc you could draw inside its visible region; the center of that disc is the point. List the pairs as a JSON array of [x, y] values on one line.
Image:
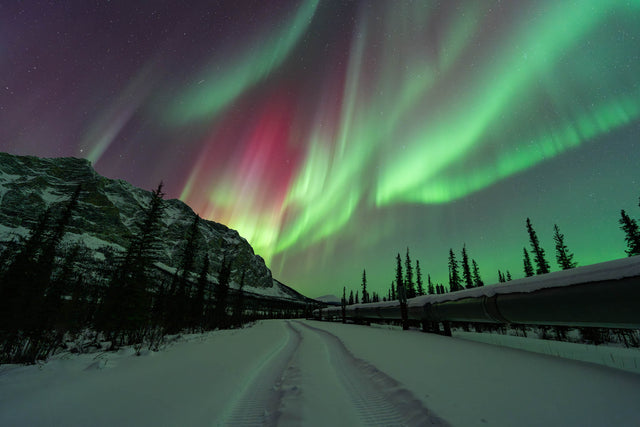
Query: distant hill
[[329, 299]]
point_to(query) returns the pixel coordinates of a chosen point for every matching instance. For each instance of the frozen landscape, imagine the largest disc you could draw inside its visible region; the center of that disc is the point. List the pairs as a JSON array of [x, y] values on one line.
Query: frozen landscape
[[300, 372]]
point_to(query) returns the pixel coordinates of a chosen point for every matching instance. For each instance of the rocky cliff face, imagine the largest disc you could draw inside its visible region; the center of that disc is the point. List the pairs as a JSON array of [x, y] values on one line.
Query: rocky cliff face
[[108, 212]]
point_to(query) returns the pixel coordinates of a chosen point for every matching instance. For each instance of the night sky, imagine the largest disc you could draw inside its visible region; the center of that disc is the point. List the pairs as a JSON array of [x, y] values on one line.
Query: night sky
[[334, 134]]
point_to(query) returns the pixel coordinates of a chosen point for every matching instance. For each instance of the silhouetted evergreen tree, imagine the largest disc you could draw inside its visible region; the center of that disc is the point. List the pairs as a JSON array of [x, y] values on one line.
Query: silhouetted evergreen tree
[[46, 261], [563, 256], [43, 310], [80, 311], [343, 303], [394, 295], [221, 291], [409, 286], [357, 302], [178, 299], [351, 298], [238, 317], [477, 280], [399, 276], [16, 291], [126, 307], [419, 287], [365, 294], [542, 266], [59, 285], [632, 233], [508, 278], [466, 269], [30, 299], [501, 277], [430, 288], [198, 304], [528, 268], [402, 295], [454, 276]]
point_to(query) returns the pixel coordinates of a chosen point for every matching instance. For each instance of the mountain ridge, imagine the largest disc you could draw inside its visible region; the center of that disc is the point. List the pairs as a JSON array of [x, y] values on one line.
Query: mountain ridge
[[107, 213]]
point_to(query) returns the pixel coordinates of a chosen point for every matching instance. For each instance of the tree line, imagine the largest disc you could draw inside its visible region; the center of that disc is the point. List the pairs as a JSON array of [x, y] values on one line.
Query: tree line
[[46, 295], [464, 272]]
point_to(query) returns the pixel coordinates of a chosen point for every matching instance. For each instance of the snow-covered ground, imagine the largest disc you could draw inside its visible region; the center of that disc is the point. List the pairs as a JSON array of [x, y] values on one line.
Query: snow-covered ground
[[294, 372], [618, 357]]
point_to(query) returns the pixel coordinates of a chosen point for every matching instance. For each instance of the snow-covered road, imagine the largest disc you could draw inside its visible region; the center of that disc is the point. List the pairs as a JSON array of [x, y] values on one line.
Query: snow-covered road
[[314, 380], [299, 373]]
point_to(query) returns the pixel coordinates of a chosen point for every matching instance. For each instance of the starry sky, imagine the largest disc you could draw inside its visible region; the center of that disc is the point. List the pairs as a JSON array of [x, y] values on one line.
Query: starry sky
[[333, 134]]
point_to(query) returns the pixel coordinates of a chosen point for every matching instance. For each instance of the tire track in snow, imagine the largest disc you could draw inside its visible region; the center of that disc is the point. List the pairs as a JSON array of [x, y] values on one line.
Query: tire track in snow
[[379, 399], [259, 402]]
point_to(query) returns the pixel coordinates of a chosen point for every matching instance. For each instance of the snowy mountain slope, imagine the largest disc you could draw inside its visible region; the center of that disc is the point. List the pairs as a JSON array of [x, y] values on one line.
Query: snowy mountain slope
[[108, 212], [317, 374]]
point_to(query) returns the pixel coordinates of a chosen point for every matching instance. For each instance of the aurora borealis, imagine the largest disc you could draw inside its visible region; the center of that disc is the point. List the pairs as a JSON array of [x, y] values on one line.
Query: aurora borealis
[[334, 134]]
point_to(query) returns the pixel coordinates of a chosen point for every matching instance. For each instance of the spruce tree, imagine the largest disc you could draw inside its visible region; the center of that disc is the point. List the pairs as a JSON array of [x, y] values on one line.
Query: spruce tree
[[16, 292], [197, 305], [343, 304], [501, 277], [30, 297], [51, 312], [221, 291], [46, 260], [419, 287], [430, 287], [454, 276], [508, 278], [477, 280], [466, 269], [393, 291], [563, 256], [179, 291], [542, 266], [238, 318], [357, 302], [351, 298], [365, 294], [528, 268], [409, 286], [632, 233], [399, 276], [126, 305], [402, 295], [42, 283]]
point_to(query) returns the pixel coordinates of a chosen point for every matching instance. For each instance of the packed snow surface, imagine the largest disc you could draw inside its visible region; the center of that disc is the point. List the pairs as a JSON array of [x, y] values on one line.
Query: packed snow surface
[[291, 372]]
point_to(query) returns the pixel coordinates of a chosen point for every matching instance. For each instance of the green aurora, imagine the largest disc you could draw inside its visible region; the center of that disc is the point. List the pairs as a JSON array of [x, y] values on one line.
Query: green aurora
[[333, 135]]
